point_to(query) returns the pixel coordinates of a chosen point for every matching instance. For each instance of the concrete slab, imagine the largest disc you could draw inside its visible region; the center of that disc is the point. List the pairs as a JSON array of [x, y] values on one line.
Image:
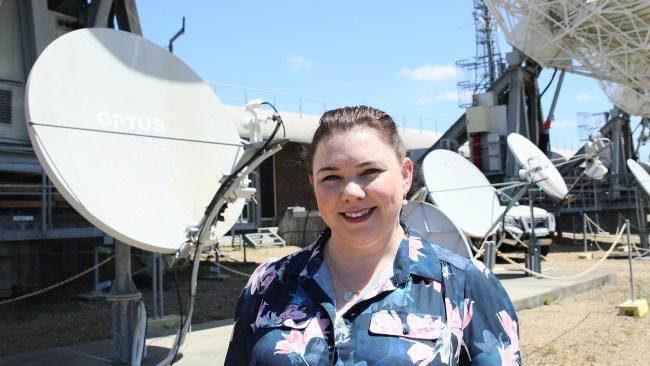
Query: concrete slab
[[207, 344]]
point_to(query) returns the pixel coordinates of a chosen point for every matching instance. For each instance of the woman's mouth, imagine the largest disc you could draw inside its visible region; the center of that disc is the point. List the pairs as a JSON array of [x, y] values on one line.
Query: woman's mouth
[[359, 215]]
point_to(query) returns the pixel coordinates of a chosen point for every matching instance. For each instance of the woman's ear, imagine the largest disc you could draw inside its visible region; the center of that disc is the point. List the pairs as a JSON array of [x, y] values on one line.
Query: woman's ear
[[407, 174]]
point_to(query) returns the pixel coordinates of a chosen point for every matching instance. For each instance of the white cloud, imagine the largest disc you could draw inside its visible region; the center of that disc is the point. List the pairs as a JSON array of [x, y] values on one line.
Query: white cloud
[[448, 96], [296, 64], [429, 72], [584, 97]]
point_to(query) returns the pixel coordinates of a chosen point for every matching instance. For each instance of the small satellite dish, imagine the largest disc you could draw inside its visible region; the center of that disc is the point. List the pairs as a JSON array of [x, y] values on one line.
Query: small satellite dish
[[538, 166], [462, 192], [640, 174], [133, 139], [436, 227]]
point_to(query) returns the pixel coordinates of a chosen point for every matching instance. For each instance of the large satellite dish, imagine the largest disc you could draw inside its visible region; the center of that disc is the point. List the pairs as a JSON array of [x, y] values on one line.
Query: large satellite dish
[[129, 134], [633, 101], [604, 39], [436, 227], [462, 192], [640, 174], [537, 166]]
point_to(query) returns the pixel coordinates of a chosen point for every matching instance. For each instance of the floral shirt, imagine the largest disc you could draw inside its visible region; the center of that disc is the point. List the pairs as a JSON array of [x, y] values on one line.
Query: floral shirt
[[437, 308]]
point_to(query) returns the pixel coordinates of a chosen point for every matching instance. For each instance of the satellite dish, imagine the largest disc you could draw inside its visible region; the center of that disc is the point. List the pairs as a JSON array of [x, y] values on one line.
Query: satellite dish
[[607, 41], [133, 139], [632, 101], [462, 192], [640, 174], [436, 227], [538, 166]]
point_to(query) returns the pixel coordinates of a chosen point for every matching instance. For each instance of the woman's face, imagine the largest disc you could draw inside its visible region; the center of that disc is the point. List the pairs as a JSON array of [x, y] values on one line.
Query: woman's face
[[359, 184]]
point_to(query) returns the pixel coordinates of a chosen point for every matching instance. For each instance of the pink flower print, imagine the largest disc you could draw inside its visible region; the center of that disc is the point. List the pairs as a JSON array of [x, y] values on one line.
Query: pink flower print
[[508, 356], [424, 327], [510, 327], [262, 277], [293, 343], [415, 244], [385, 285], [456, 324], [296, 341], [421, 354], [317, 328], [385, 322]]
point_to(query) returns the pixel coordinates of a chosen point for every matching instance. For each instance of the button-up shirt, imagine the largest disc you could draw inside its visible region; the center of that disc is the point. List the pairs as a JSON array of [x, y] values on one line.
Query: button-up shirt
[[436, 308]]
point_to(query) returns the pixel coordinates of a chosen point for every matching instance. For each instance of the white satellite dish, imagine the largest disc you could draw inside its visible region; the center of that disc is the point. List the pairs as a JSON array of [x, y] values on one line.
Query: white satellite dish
[[604, 39], [633, 101], [462, 192], [129, 134], [436, 227], [537, 166], [640, 174]]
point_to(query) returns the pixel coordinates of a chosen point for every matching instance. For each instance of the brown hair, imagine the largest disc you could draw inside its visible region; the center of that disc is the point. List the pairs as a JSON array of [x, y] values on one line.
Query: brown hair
[[347, 118]]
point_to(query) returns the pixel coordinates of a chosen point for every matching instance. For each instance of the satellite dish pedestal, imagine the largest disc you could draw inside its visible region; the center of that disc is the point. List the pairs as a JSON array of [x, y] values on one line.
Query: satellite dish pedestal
[[125, 300], [533, 259]]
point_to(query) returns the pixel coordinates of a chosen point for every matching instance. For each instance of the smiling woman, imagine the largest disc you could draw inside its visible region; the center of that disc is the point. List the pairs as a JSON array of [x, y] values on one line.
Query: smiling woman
[[369, 291]]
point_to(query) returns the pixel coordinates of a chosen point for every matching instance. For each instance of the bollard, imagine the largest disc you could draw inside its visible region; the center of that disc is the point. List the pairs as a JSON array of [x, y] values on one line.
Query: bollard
[[489, 254], [629, 257]]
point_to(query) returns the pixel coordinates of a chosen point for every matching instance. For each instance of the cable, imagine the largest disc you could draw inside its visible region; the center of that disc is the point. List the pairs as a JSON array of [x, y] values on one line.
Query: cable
[[561, 334], [57, 284], [135, 134], [234, 271], [549, 83], [225, 186], [537, 274]]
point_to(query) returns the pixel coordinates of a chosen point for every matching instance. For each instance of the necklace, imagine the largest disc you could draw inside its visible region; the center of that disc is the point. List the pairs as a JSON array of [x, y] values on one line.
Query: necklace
[[349, 295]]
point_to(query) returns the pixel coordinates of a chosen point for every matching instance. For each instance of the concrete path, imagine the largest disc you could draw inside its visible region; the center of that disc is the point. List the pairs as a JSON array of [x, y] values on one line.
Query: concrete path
[[207, 344]]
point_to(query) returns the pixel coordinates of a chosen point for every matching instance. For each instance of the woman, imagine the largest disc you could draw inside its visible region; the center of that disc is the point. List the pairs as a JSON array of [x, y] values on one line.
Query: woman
[[368, 291]]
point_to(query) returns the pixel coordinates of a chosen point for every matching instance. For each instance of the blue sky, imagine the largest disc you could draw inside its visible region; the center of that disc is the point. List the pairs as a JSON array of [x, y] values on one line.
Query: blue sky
[[398, 57]]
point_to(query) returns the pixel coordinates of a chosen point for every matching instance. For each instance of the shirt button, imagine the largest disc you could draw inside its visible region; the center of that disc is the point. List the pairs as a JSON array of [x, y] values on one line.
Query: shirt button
[[405, 331]]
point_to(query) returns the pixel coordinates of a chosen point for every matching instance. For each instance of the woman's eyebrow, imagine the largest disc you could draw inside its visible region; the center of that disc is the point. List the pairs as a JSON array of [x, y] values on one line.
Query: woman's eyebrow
[[360, 165]]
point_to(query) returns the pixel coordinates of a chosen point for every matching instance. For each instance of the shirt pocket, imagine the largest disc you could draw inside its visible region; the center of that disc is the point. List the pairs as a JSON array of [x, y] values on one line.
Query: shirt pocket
[[406, 325]]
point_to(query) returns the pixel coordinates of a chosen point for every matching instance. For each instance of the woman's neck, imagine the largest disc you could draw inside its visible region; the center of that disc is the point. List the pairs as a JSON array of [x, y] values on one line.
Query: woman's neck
[[363, 261]]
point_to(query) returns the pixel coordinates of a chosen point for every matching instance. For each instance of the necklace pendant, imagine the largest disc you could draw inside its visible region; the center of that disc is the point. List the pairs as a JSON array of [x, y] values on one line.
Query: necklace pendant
[[349, 296]]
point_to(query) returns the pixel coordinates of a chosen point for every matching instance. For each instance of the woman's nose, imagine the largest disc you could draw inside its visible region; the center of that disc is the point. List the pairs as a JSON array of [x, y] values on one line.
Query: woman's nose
[[353, 191]]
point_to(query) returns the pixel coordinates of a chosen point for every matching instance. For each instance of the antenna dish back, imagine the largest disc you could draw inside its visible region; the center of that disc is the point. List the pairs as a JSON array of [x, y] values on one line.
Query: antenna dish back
[[461, 191], [133, 139], [436, 227], [538, 166]]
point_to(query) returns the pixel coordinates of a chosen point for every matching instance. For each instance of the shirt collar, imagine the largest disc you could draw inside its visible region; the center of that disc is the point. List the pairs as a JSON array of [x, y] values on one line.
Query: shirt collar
[[415, 256]]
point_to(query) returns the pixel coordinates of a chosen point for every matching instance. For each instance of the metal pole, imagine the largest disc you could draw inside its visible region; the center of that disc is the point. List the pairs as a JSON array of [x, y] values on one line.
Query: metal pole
[[584, 232], [43, 203], [125, 300], [489, 254], [161, 263], [154, 284], [629, 257], [533, 260]]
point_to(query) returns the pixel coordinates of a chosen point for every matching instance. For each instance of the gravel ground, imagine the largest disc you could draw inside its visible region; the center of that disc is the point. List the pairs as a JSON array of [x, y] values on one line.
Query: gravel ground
[[583, 329]]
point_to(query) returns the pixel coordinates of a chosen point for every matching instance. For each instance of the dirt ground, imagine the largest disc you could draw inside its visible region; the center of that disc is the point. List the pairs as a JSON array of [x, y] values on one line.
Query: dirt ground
[[582, 329]]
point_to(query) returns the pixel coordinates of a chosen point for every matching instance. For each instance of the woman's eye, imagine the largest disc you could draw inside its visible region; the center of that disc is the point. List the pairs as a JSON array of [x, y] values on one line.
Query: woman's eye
[[330, 178], [371, 171]]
